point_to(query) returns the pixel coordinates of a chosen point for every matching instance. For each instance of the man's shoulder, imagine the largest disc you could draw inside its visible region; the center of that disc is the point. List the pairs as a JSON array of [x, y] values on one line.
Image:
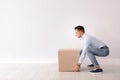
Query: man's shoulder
[[90, 37]]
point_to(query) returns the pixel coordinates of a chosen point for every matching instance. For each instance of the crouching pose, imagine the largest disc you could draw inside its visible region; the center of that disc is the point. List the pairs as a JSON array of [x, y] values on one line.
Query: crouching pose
[[92, 47]]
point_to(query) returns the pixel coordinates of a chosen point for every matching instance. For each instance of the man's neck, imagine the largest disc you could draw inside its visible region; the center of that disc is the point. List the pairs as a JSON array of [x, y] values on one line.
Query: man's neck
[[83, 35]]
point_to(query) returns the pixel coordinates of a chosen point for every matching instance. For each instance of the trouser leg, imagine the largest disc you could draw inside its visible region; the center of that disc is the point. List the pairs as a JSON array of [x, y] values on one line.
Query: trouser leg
[[80, 51], [92, 53]]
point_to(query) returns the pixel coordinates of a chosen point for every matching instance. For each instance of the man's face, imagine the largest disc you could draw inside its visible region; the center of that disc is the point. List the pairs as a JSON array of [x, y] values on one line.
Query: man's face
[[78, 33]]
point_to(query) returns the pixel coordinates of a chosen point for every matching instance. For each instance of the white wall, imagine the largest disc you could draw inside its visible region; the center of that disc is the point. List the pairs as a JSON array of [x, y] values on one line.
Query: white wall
[[38, 28]]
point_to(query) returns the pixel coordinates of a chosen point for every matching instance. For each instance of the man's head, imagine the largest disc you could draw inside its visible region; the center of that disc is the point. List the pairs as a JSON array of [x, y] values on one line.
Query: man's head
[[79, 31]]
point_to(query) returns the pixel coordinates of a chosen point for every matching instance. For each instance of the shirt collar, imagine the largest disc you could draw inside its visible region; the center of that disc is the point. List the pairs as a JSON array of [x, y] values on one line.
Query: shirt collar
[[83, 36]]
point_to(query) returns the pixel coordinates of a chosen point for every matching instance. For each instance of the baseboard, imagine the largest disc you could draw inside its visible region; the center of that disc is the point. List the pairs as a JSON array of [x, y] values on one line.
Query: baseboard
[[29, 60]]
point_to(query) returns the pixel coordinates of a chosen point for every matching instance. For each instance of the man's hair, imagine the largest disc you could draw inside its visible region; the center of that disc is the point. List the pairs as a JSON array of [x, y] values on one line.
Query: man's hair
[[80, 28]]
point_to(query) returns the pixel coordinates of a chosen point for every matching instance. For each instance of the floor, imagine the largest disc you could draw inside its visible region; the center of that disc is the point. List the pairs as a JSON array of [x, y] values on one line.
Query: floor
[[36, 71]]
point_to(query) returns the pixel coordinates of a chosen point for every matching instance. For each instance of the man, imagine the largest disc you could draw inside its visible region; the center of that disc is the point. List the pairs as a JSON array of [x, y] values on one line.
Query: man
[[92, 47]]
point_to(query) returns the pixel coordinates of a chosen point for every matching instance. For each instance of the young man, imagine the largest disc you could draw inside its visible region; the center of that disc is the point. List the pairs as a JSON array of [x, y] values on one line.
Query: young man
[[92, 47]]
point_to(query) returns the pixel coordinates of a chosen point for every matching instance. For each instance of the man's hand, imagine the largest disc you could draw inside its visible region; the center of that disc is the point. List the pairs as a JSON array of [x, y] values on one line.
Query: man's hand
[[76, 67]]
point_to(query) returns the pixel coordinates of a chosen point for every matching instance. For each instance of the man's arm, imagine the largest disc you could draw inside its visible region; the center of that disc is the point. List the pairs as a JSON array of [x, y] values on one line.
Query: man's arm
[[86, 43], [82, 56]]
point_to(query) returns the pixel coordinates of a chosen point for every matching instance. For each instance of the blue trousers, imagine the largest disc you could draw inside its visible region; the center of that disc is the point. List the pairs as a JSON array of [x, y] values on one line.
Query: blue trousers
[[93, 52]]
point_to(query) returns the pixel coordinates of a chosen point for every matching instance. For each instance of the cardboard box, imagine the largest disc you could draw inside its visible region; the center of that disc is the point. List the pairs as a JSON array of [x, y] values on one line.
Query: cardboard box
[[67, 58]]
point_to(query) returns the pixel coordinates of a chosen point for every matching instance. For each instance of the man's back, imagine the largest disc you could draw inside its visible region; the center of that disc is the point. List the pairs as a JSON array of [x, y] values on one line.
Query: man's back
[[92, 41]]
